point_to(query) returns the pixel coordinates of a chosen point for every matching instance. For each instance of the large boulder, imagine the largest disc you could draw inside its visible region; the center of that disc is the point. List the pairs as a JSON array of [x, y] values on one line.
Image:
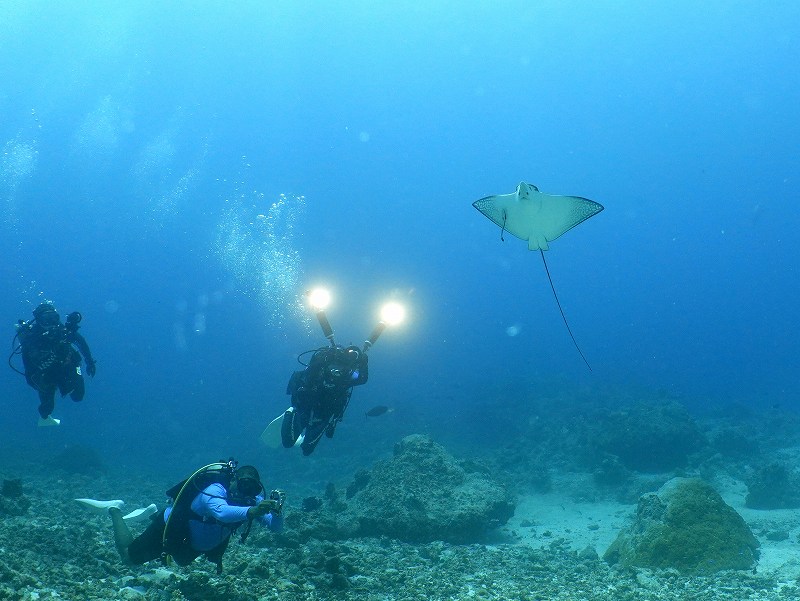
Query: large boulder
[[12, 498], [648, 437], [423, 494], [420, 494], [773, 486], [686, 526]]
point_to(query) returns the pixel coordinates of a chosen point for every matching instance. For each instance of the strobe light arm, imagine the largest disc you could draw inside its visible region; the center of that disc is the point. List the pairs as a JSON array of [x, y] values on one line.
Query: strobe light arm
[[327, 330], [391, 314], [373, 337], [319, 299]]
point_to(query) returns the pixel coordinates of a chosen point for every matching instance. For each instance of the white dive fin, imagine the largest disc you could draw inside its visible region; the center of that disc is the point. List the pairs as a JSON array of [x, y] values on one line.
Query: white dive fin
[[271, 436], [102, 505], [141, 513]]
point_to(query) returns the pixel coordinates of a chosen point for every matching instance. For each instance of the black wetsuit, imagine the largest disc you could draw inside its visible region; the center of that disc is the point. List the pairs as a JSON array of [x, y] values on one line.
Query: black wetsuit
[[320, 394], [51, 362]]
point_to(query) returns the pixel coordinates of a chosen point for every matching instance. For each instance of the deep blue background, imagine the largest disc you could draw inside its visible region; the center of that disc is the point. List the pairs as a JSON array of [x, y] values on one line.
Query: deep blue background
[[130, 131]]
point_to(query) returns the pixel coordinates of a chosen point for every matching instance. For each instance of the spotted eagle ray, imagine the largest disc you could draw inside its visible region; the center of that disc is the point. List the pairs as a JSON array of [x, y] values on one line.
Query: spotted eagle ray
[[538, 218]]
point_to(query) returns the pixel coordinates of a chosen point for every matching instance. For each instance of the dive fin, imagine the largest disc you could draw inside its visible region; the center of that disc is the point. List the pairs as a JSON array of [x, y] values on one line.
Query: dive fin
[[271, 436], [141, 513]]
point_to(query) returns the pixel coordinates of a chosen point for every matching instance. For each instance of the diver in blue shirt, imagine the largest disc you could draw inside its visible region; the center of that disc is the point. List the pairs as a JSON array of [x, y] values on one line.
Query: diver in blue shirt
[[207, 508]]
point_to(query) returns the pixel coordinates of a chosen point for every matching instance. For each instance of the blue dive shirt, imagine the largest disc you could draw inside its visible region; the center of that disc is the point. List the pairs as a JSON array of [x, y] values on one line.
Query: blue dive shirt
[[220, 518]]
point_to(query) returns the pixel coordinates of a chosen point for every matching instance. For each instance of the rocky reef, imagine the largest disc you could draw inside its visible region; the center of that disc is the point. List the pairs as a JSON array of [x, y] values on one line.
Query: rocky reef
[[420, 494], [654, 437], [685, 526], [13, 500], [79, 459], [61, 549], [773, 486]]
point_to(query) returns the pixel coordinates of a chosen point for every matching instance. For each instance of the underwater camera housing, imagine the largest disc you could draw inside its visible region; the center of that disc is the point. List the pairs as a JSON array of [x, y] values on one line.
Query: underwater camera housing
[[278, 496]]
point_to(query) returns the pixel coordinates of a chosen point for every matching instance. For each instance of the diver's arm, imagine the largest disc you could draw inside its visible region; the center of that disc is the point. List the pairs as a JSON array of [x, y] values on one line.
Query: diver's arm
[[213, 503], [273, 521], [83, 347], [363, 370], [26, 337], [28, 369]]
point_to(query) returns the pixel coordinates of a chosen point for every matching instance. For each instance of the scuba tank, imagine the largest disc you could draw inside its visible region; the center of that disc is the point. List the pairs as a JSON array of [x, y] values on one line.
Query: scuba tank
[[175, 540]]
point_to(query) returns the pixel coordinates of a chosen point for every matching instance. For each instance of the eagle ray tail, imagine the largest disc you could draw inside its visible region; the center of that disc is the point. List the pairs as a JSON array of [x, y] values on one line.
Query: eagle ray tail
[[549, 279]]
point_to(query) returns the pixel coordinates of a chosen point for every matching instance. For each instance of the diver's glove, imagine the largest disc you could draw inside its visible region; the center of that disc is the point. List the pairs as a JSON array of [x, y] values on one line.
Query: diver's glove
[[274, 506], [260, 510], [91, 367], [263, 508]]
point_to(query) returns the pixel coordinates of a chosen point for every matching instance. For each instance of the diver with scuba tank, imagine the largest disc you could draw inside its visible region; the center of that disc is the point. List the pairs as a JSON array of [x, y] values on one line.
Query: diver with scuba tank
[[205, 511], [50, 358], [321, 391]]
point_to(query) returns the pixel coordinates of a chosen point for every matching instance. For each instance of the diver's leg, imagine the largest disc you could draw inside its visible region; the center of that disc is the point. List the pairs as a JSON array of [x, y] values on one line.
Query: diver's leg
[[47, 400], [314, 432], [294, 421], [330, 428], [70, 381], [78, 388], [122, 535]]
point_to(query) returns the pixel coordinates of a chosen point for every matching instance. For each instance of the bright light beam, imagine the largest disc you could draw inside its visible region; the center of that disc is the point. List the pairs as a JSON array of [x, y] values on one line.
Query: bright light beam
[[393, 313], [319, 298]]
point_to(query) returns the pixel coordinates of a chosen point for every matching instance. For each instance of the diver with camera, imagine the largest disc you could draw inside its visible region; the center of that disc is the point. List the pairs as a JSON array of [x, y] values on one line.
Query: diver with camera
[[321, 391], [205, 510], [50, 358]]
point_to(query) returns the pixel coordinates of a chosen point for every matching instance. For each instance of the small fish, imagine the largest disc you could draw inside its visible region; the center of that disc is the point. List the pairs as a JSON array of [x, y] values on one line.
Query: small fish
[[377, 410]]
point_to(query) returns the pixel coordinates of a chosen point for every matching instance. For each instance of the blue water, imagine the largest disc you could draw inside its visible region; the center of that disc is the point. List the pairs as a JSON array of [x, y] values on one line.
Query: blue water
[[145, 150]]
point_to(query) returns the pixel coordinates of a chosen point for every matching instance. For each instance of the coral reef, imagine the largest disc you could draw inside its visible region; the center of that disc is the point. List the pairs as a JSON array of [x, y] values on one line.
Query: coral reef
[[773, 486], [79, 459], [647, 437], [420, 494], [432, 497], [610, 471], [61, 550], [311, 503], [686, 526], [12, 498], [12, 488], [736, 442]]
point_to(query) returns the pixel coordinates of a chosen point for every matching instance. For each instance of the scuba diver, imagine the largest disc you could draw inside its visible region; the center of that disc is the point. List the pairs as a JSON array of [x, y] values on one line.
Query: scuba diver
[[49, 357], [205, 510], [321, 392]]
